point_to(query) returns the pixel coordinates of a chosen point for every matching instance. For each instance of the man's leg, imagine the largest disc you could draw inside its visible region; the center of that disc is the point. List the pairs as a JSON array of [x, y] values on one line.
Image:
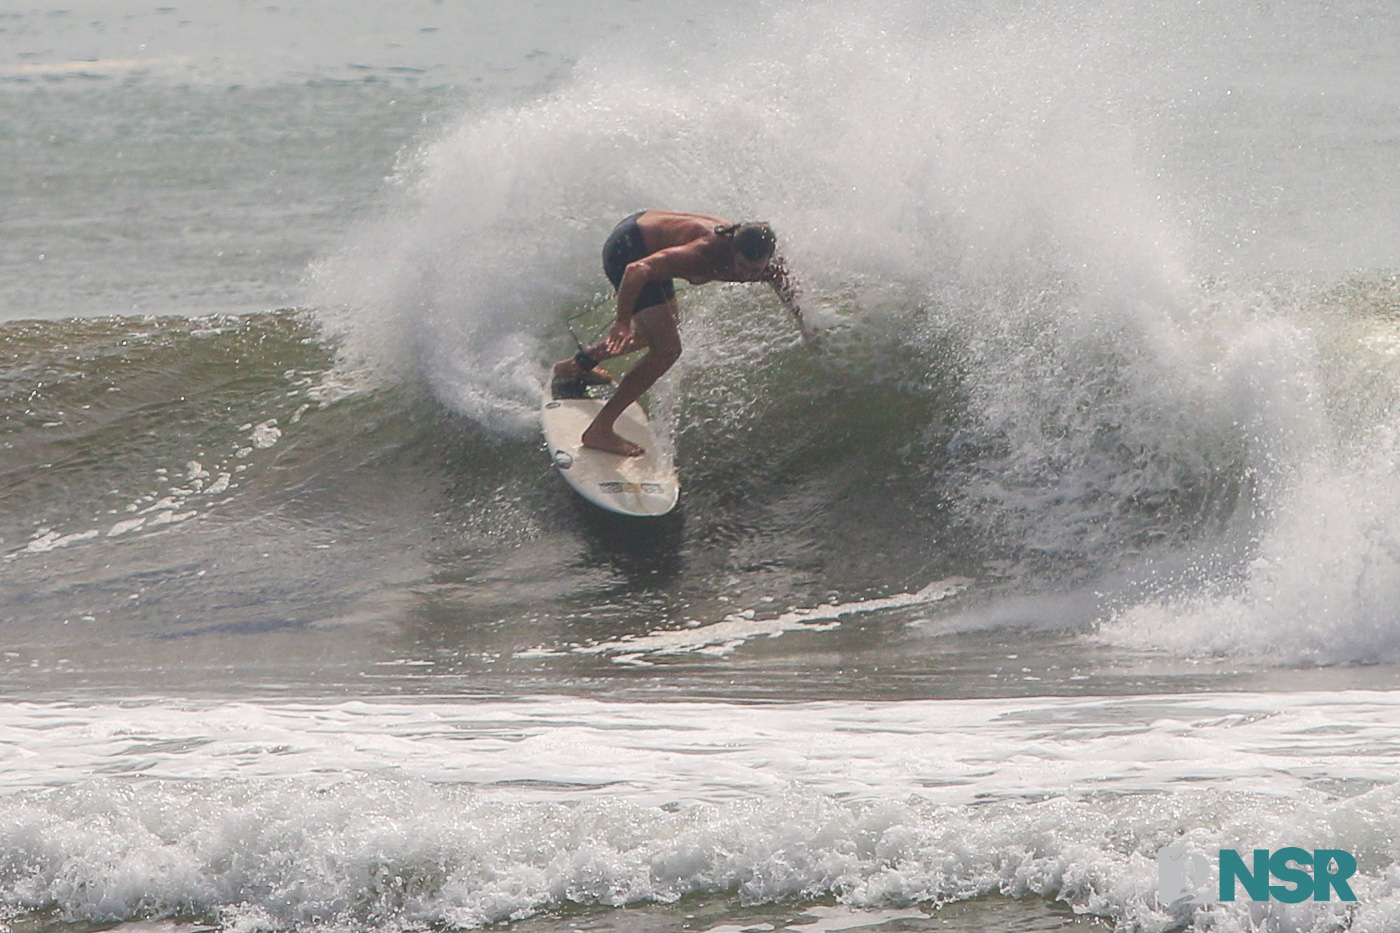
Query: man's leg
[[657, 328]]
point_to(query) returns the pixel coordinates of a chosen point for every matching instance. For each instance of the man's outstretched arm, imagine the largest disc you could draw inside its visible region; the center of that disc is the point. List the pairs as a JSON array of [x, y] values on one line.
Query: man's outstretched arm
[[788, 289]]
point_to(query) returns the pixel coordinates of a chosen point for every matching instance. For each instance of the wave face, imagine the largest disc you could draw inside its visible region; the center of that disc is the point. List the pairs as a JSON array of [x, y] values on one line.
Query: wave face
[[1224, 507]]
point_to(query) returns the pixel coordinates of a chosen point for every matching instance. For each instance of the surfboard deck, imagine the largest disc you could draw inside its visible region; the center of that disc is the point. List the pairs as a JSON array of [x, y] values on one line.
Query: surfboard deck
[[645, 486]]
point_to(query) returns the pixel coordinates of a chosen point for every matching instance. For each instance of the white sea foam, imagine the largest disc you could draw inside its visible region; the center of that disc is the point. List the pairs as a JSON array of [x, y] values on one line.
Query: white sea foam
[[386, 815], [1322, 585], [46, 540], [722, 637]]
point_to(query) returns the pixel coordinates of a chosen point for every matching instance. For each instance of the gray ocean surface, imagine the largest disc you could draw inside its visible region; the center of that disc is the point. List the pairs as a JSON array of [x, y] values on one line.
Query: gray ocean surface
[[1078, 537]]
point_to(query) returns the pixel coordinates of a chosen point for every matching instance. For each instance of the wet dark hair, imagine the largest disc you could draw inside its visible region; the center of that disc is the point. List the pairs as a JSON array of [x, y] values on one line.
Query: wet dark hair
[[752, 240]]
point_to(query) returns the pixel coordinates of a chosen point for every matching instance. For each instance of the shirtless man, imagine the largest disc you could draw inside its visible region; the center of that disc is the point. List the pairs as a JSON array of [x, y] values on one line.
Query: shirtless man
[[641, 257]]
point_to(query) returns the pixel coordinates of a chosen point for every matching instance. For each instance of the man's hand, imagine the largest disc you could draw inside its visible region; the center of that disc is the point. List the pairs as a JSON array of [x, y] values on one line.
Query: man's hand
[[619, 335]]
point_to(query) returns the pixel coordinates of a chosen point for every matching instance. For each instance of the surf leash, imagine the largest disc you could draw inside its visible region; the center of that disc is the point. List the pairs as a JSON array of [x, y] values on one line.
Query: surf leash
[[585, 362], [569, 323]]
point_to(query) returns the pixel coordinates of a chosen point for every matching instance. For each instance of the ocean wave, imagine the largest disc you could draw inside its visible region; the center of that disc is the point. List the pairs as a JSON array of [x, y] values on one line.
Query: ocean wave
[[870, 816], [125, 424], [1225, 501], [1079, 389]]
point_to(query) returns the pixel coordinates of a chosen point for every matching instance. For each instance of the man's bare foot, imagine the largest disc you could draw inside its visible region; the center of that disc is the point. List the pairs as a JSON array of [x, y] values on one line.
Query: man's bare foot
[[611, 442], [572, 381], [597, 376], [569, 369]]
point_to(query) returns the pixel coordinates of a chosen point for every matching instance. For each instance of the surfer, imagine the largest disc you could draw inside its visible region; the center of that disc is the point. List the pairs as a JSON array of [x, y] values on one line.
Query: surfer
[[641, 257]]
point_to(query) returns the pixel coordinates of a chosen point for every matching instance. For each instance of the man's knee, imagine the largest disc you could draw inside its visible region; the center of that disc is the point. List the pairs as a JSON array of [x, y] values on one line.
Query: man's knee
[[656, 327]]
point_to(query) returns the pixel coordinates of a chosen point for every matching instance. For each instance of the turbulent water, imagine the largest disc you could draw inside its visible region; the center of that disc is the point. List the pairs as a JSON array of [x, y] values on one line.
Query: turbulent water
[[1078, 535]]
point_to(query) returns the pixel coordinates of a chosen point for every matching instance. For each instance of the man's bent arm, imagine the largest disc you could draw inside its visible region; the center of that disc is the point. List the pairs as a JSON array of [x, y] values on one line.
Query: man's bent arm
[[629, 289]]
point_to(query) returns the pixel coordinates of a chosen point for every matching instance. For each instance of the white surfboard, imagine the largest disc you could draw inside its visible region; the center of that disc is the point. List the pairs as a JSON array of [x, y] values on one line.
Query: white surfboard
[[641, 486]]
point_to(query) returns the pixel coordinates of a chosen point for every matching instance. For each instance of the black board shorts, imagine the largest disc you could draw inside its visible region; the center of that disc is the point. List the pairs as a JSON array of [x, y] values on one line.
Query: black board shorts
[[624, 246]]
